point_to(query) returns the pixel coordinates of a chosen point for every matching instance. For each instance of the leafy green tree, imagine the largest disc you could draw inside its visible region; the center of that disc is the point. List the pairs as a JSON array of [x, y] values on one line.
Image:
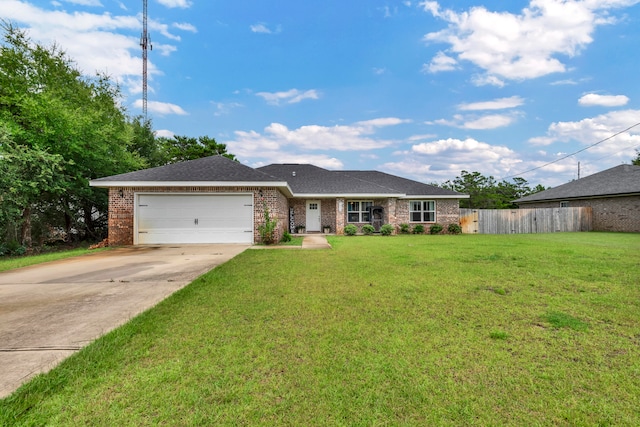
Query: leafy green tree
[[48, 107], [27, 174], [144, 142], [636, 161], [487, 193], [182, 148]]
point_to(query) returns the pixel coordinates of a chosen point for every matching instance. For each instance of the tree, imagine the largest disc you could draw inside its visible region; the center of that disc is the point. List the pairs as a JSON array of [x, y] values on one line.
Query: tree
[[486, 193], [636, 161], [182, 148], [144, 142], [49, 109], [27, 174]]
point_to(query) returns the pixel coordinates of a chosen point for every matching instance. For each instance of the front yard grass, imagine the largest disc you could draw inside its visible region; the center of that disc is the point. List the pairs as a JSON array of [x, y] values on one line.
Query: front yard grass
[[10, 263], [405, 330]]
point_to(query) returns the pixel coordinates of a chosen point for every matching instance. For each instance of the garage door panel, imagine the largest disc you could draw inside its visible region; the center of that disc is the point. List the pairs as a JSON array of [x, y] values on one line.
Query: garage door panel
[[181, 218]]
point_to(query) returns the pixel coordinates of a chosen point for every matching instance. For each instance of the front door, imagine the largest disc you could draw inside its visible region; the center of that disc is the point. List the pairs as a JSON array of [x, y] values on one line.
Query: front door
[[313, 215]]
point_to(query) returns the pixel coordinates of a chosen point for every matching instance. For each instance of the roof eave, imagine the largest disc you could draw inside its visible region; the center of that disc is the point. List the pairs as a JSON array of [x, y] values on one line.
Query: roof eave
[[378, 196], [345, 195], [154, 184], [559, 199], [438, 196]]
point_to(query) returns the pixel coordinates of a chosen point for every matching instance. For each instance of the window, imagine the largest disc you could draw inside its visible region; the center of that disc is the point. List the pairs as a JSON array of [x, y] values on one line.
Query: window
[[564, 204], [422, 211], [358, 211]]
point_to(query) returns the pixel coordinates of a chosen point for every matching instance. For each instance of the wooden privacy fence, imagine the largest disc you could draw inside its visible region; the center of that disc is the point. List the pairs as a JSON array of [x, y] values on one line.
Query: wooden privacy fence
[[521, 221]]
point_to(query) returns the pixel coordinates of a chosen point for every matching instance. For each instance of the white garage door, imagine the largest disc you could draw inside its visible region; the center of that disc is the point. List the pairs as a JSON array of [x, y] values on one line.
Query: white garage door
[[189, 218]]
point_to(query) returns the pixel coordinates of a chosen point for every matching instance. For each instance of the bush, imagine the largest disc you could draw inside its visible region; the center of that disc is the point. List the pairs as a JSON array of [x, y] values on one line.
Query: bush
[[268, 229], [404, 228], [436, 228], [418, 229], [368, 229], [286, 237], [454, 229], [12, 248], [386, 230], [350, 230]]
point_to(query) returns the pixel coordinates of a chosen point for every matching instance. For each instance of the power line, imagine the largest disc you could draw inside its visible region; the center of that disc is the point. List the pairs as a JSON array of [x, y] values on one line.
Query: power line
[[573, 154]]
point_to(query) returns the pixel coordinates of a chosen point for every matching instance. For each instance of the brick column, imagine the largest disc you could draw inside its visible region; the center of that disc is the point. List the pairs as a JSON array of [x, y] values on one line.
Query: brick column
[[340, 213]]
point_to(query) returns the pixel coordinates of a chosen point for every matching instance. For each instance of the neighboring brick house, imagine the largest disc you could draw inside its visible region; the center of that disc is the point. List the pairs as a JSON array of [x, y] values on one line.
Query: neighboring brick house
[[613, 195], [217, 200]]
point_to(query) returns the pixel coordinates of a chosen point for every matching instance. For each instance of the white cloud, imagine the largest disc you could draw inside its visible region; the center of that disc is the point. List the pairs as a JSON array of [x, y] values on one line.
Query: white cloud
[[95, 42], [185, 26], [593, 99], [85, 2], [520, 46], [591, 130], [164, 133], [382, 122], [440, 62], [264, 29], [223, 108], [162, 108], [278, 143], [487, 80], [379, 71], [182, 4], [421, 137], [496, 104], [445, 158], [291, 96], [490, 121]]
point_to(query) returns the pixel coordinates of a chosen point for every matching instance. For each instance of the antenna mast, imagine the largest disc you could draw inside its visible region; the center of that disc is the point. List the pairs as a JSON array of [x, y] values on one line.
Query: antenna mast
[[144, 43]]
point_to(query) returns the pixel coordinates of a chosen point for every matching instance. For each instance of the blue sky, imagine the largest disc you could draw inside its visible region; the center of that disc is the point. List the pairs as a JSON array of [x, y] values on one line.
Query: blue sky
[[417, 89]]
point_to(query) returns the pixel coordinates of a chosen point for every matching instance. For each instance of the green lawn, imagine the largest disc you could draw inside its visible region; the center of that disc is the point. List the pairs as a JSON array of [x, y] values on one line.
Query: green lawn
[[406, 330], [9, 263]]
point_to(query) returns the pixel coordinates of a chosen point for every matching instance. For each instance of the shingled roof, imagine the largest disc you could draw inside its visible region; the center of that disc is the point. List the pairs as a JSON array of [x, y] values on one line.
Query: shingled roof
[[623, 180], [207, 169], [309, 180], [298, 180]]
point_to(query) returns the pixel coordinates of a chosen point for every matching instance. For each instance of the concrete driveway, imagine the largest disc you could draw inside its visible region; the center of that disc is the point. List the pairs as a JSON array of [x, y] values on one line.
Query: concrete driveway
[[49, 311]]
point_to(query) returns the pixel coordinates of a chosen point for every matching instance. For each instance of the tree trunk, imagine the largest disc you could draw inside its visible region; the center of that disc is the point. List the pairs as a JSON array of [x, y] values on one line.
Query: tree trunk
[[25, 232], [90, 226]]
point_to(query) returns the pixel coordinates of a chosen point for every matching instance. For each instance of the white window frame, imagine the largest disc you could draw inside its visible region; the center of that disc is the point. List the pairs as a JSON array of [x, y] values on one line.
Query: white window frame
[[425, 208], [362, 211]]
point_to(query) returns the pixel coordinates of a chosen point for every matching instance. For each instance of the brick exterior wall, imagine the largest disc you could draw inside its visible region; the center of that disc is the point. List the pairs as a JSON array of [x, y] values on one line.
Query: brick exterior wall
[[277, 204], [328, 208], [447, 212], [121, 220], [333, 211], [609, 214], [396, 211]]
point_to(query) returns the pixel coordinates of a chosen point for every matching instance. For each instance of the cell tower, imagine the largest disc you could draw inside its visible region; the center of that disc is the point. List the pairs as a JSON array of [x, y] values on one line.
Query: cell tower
[[145, 44]]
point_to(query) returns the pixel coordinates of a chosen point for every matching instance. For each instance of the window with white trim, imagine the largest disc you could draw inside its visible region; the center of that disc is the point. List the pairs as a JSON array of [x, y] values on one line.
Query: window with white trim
[[564, 204], [358, 211], [422, 211]]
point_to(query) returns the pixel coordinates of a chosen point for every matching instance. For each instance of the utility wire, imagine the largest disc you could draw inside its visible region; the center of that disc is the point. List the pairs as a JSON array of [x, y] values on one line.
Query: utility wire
[[573, 154]]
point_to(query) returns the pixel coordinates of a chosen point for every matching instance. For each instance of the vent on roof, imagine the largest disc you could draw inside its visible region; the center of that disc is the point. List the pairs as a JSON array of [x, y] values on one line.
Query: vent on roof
[[293, 173]]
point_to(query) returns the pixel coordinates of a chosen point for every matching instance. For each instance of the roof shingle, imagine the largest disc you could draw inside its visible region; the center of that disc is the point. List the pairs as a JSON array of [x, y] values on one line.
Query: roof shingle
[[309, 179], [206, 169], [617, 181]]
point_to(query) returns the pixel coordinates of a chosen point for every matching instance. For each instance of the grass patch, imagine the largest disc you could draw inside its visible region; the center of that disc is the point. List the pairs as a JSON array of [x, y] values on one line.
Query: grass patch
[[498, 335], [25, 261], [295, 241], [394, 331], [563, 320]]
